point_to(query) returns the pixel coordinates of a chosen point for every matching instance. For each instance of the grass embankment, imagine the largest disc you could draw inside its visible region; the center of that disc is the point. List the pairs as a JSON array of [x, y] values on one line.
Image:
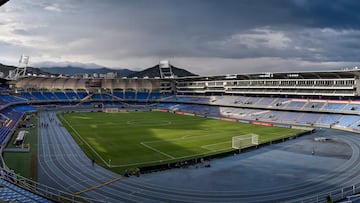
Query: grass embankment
[[24, 163]]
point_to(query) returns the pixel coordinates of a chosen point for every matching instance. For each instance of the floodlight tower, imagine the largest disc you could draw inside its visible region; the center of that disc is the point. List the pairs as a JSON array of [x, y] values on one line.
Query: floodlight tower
[[165, 69], [20, 71]]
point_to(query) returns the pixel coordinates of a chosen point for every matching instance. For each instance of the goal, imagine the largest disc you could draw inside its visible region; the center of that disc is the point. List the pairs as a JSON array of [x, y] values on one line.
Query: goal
[[111, 110], [243, 141]]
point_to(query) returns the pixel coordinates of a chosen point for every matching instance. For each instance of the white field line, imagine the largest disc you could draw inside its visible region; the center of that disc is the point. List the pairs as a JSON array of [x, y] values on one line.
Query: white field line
[[92, 149], [148, 123], [175, 158], [185, 137], [140, 163], [162, 122], [163, 153], [208, 147], [212, 150]]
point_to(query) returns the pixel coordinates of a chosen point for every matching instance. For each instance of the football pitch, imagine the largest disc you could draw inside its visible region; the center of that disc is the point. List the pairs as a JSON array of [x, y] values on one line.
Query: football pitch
[[118, 140]]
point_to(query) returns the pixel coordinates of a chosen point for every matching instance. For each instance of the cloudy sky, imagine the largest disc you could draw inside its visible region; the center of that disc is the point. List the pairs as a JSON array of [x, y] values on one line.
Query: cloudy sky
[[207, 37]]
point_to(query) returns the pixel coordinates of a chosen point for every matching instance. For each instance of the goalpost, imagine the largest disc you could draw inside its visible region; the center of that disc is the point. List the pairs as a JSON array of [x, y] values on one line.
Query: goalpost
[[111, 110], [243, 141]]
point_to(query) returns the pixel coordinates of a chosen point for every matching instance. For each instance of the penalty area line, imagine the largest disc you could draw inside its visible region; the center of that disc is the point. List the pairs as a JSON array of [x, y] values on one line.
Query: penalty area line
[[208, 147], [163, 153]]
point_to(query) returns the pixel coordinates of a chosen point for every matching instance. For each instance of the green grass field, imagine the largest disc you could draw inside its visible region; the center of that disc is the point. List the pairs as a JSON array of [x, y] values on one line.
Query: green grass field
[[24, 163], [149, 138]]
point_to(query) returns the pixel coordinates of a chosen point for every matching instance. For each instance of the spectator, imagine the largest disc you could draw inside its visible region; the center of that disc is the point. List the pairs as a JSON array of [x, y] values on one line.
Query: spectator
[[126, 173], [137, 172], [328, 199]]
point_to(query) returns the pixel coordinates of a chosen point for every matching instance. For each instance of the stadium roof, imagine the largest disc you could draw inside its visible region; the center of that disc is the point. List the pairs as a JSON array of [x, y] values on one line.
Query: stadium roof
[[331, 74]]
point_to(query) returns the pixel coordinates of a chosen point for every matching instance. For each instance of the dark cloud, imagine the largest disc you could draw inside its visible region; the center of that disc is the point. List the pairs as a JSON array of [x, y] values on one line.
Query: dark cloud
[[339, 14], [114, 31]]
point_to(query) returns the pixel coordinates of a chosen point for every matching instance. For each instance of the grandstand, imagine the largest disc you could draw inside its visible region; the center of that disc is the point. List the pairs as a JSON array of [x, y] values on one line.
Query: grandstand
[[326, 99]]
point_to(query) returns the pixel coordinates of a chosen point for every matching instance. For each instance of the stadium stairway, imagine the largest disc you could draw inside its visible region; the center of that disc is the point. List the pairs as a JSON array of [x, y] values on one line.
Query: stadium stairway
[[12, 193]]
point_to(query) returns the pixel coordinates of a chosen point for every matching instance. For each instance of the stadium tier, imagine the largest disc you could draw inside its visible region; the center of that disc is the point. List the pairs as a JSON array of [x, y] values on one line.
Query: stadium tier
[[296, 98], [11, 193], [323, 99]]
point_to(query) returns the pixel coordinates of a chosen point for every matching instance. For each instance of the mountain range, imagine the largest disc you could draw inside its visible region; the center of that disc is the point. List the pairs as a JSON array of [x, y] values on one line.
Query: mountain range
[[151, 72], [6, 68], [73, 70]]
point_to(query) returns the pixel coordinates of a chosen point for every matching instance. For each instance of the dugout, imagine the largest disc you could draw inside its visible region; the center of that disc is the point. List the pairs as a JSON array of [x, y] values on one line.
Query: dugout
[[20, 137]]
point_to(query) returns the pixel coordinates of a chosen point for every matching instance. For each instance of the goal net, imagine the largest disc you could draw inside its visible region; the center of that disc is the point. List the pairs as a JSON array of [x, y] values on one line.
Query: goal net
[[243, 141], [111, 110]]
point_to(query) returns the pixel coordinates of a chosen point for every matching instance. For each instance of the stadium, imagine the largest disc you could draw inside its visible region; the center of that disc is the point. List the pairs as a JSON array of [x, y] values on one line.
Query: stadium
[[167, 135], [262, 137]]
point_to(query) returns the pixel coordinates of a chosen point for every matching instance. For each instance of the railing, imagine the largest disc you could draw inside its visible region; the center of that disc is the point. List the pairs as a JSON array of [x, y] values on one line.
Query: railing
[[335, 195], [43, 190]]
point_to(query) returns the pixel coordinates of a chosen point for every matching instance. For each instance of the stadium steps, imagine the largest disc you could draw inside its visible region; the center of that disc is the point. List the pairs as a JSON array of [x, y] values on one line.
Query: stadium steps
[[116, 98], [86, 98], [60, 95], [259, 101], [248, 99], [321, 105], [322, 108], [320, 118], [148, 97], [20, 98], [338, 120], [285, 104], [303, 106], [66, 97], [299, 117], [166, 98], [110, 95], [317, 119], [274, 102], [76, 95], [353, 123], [345, 106]]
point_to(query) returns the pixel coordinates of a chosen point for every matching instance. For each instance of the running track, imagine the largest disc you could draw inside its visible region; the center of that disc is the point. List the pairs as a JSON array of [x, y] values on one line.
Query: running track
[[62, 165]]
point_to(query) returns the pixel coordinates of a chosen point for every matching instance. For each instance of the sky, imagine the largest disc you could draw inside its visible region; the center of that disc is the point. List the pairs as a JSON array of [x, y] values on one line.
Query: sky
[[206, 37]]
